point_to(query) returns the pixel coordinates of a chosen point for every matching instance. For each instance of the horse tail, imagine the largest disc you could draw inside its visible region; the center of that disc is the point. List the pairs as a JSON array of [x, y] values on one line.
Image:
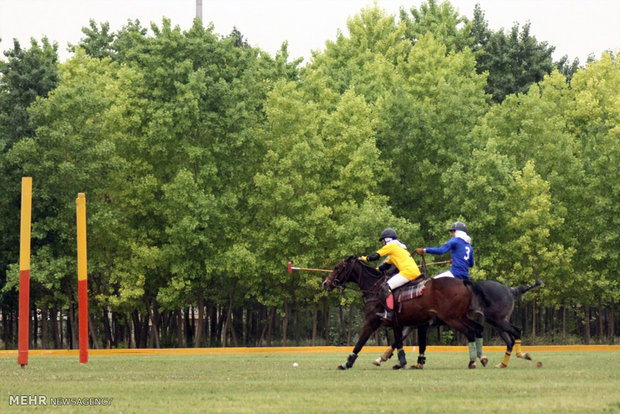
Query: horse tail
[[519, 291]]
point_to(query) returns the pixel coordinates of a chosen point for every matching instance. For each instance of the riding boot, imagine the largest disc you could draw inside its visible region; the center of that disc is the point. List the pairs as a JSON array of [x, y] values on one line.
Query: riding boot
[[388, 303]]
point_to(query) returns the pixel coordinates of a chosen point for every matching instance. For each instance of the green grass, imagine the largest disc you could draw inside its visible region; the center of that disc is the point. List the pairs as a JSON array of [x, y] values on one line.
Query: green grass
[[268, 383]]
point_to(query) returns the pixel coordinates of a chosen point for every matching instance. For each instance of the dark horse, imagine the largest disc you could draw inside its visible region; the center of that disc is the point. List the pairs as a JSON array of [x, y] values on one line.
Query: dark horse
[[447, 299], [495, 301]]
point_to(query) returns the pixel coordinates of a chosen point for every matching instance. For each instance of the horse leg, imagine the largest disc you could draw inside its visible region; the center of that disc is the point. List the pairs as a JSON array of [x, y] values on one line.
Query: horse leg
[[470, 329], [506, 331], [370, 325], [398, 344], [517, 335], [384, 356], [422, 342], [509, 344], [390, 350], [479, 345]]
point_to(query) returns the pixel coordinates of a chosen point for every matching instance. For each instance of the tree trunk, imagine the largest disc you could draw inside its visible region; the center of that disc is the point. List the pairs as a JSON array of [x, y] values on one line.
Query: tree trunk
[[132, 332], [285, 320], [315, 323], [45, 342], [611, 322], [201, 320], [586, 324], [226, 323], [179, 328], [72, 328], [155, 317], [601, 323], [564, 317], [212, 325], [93, 333], [534, 322]]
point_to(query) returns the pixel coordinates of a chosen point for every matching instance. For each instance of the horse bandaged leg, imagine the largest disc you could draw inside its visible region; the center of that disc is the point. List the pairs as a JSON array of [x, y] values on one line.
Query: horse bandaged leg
[[472, 355], [483, 359], [505, 361], [402, 361], [350, 361], [479, 347], [420, 363], [519, 353], [517, 348]]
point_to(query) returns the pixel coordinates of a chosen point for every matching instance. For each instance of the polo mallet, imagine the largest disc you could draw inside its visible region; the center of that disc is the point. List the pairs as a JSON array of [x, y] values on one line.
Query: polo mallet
[[438, 263], [291, 268]]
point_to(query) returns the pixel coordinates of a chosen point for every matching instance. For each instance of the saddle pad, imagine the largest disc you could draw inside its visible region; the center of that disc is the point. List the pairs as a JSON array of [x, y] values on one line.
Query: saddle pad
[[409, 292]]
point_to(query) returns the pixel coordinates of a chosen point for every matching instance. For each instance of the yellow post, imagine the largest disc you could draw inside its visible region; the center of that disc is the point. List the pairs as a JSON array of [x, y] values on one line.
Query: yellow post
[[82, 277]]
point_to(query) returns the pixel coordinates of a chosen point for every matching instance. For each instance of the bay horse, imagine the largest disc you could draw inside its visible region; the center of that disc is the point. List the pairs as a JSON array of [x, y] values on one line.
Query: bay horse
[[495, 302], [447, 299]]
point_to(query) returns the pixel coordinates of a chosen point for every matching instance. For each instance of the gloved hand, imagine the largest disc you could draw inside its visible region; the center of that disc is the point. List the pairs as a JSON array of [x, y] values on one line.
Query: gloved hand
[[420, 251]]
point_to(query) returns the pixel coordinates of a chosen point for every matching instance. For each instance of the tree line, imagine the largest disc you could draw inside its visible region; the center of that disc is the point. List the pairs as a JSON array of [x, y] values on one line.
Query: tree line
[[208, 164]]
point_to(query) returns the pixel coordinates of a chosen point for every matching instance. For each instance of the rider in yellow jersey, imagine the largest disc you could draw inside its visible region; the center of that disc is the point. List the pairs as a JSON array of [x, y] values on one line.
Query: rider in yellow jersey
[[399, 257]]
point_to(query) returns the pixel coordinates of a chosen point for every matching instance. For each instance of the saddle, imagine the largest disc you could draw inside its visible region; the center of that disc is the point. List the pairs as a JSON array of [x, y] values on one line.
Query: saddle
[[411, 290]]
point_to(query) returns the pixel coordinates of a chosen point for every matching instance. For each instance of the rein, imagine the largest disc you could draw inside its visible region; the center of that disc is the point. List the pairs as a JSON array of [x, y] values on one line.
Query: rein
[[341, 284]]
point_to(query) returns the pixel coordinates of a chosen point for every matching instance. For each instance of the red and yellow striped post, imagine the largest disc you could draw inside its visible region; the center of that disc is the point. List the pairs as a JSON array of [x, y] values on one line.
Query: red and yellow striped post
[[24, 273], [82, 277]]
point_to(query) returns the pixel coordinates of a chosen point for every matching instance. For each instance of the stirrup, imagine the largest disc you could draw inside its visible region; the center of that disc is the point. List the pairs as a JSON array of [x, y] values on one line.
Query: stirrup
[[386, 315]]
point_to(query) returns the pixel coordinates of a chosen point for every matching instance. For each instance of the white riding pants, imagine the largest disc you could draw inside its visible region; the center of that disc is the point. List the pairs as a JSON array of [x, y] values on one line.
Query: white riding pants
[[447, 273], [397, 281]]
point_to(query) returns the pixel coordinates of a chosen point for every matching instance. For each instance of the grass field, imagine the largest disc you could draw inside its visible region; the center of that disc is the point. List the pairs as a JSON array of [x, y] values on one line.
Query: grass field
[[567, 382]]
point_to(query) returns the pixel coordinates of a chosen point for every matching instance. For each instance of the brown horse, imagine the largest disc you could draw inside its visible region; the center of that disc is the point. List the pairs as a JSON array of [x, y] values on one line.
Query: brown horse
[[494, 301], [447, 299]]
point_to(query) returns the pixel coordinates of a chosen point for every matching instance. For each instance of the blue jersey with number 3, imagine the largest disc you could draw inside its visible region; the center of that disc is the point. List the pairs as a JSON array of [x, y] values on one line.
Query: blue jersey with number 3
[[462, 256]]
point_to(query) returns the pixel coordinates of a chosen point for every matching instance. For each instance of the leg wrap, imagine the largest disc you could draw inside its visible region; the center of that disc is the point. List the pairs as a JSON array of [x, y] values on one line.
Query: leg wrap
[[472, 351], [517, 347], [421, 359], [479, 347], [506, 359], [401, 357], [350, 360]]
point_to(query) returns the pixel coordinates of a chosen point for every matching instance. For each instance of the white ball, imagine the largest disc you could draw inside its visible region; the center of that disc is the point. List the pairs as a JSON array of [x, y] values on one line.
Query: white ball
[[295, 364]]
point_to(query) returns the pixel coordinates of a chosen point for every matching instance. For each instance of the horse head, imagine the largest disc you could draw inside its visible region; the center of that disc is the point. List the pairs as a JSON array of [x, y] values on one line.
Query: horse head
[[341, 273]]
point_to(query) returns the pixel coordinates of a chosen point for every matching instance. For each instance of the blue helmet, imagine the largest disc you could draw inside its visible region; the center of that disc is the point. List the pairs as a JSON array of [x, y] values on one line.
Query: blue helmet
[[458, 225]]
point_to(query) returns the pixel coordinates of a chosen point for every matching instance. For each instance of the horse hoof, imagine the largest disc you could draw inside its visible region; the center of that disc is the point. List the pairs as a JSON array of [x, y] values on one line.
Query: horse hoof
[[398, 366], [525, 356], [501, 365], [377, 362], [472, 365], [484, 361], [417, 366], [341, 368]]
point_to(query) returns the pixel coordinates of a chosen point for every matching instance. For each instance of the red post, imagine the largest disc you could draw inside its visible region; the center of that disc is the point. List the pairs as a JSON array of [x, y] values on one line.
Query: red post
[[83, 319], [82, 277]]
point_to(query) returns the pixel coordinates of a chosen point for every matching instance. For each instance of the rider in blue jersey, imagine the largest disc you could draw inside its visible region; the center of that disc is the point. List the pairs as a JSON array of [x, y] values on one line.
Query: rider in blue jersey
[[460, 249]]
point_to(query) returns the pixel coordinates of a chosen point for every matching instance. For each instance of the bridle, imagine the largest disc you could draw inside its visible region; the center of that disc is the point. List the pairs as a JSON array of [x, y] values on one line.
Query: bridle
[[343, 275]]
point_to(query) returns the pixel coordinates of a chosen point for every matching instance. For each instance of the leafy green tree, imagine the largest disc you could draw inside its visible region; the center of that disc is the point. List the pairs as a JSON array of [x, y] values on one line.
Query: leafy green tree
[[25, 75], [513, 60], [593, 117], [74, 150], [442, 20], [366, 59], [425, 126]]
